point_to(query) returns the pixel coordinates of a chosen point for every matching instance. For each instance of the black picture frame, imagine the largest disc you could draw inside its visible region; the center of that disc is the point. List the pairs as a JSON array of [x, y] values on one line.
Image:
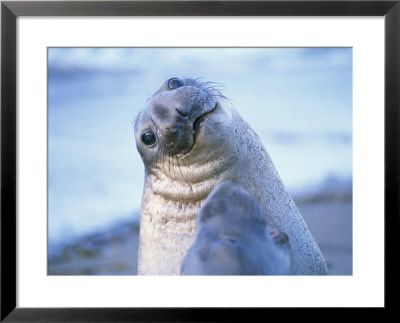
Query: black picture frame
[[10, 10]]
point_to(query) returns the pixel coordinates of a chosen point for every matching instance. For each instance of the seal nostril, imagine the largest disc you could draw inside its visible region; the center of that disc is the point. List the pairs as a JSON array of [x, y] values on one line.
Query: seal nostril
[[184, 114]]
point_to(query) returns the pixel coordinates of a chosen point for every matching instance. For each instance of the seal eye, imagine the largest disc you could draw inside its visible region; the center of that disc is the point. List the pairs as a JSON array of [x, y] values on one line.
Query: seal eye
[[228, 237], [148, 138], [174, 83]]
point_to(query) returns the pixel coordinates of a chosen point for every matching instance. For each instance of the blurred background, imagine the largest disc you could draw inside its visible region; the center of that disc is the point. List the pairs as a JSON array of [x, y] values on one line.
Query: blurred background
[[298, 100]]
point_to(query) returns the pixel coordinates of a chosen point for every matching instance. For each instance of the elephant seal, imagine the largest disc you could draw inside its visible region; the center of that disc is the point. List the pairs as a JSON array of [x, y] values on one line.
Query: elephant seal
[[232, 238], [190, 139]]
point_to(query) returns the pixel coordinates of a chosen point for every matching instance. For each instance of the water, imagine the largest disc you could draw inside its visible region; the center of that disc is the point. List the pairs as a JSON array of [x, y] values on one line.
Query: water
[[299, 101]]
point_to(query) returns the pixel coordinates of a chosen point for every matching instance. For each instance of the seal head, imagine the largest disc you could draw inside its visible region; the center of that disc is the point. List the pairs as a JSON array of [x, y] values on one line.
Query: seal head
[[170, 122], [233, 239]]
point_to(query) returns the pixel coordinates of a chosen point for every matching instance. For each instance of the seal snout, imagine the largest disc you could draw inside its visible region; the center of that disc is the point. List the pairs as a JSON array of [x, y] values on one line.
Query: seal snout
[[173, 108], [175, 115]]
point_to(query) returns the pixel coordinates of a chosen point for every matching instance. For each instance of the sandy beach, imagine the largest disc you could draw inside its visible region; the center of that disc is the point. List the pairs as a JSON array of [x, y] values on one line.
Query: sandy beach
[[114, 252]]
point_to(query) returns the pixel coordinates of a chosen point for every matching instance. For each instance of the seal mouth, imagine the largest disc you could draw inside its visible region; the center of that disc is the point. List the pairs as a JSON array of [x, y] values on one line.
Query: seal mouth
[[199, 121]]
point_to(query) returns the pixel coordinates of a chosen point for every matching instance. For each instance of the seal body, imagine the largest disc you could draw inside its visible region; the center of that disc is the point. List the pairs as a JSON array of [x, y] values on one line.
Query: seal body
[[233, 239], [191, 139]]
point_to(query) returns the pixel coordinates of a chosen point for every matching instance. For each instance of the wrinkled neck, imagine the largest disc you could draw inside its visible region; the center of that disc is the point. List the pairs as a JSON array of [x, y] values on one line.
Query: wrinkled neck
[[174, 193], [179, 181]]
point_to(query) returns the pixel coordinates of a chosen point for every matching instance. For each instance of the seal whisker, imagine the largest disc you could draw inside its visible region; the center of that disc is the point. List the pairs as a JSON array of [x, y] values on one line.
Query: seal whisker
[[213, 89], [169, 164], [187, 168], [158, 150], [163, 160], [206, 156], [167, 174], [179, 167]]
